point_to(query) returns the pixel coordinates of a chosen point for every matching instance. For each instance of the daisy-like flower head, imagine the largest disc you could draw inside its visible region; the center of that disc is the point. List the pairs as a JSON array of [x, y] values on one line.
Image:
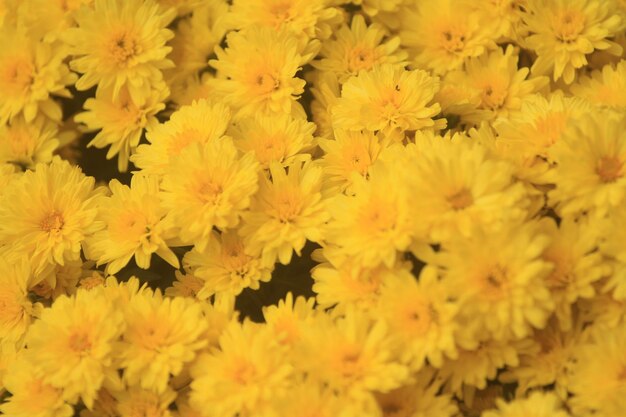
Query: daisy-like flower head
[[208, 185], [256, 73], [310, 18], [225, 266], [135, 401], [591, 156], [121, 120], [440, 35], [47, 213], [28, 143], [494, 82], [375, 223], [348, 153], [72, 343], [387, 98], [289, 319], [504, 15], [161, 336], [243, 376], [121, 43], [16, 310], [420, 316], [598, 380], [135, 226], [359, 47], [537, 404], [500, 281], [30, 73], [199, 122], [279, 138], [563, 32], [604, 87], [457, 188], [287, 211], [185, 285], [30, 395]]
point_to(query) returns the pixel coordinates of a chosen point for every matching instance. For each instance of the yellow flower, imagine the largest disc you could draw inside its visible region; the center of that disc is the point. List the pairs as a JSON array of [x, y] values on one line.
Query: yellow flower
[[604, 87], [47, 19], [387, 98], [199, 122], [31, 396], [185, 285], [225, 266], [287, 211], [310, 18], [612, 233], [30, 72], [494, 82], [121, 121], [72, 344], [121, 43], [500, 281], [457, 189], [134, 401], [208, 185], [563, 32], [16, 310], [134, 226], [243, 376], [279, 138], [47, 213], [597, 378], [441, 34], [359, 47], [375, 223], [326, 92], [310, 399], [420, 316], [28, 143], [256, 73], [538, 404], [504, 15], [590, 175], [162, 335]]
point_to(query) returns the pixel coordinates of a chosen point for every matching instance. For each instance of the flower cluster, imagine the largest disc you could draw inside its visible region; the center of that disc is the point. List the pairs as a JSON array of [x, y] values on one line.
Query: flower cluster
[[456, 167]]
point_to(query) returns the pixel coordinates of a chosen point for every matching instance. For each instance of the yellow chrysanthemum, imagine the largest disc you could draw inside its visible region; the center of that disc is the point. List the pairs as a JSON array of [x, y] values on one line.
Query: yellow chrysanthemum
[[590, 175], [563, 32], [597, 380], [47, 19], [72, 344], [31, 396], [47, 213], [161, 336], [387, 98], [134, 401], [287, 211], [421, 317], [604, 87], [185, 285], [359, 47], [310, 399], [326, 92], [375, 223], [199, 122], [310, 18], [348, 153], [500, 281], [538, 404], [225, 266], [440, 35], [135, 226], [494, 83], [612, 233], [16, 309], [504, 15], [280, 138], [243, 376], [121, 120], [30, 72], [256, 73], [121, 43], [27, 144], [208, 185], [456, 188]]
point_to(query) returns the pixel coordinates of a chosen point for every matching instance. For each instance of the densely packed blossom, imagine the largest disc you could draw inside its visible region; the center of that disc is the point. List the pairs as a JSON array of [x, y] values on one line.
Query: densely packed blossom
[[318, 208]]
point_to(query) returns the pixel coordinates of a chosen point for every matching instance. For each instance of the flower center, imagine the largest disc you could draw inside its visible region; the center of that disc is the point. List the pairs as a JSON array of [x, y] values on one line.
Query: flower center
[[494, 283], [182, 139], [281, 13], [493, 96], [288, 207], [123, 47], [360, 58], [461, 199], [267, 82], [79, 342], [452, 40], [244, 373], [18, 75], [609, 169], [53, 223], [562, 273], [567, 25], [209, 191]]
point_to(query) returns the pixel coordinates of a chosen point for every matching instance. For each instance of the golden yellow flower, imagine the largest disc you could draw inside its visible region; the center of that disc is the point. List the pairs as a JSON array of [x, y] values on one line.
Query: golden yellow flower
[[604, 87], [16, 309], [28, 143]]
